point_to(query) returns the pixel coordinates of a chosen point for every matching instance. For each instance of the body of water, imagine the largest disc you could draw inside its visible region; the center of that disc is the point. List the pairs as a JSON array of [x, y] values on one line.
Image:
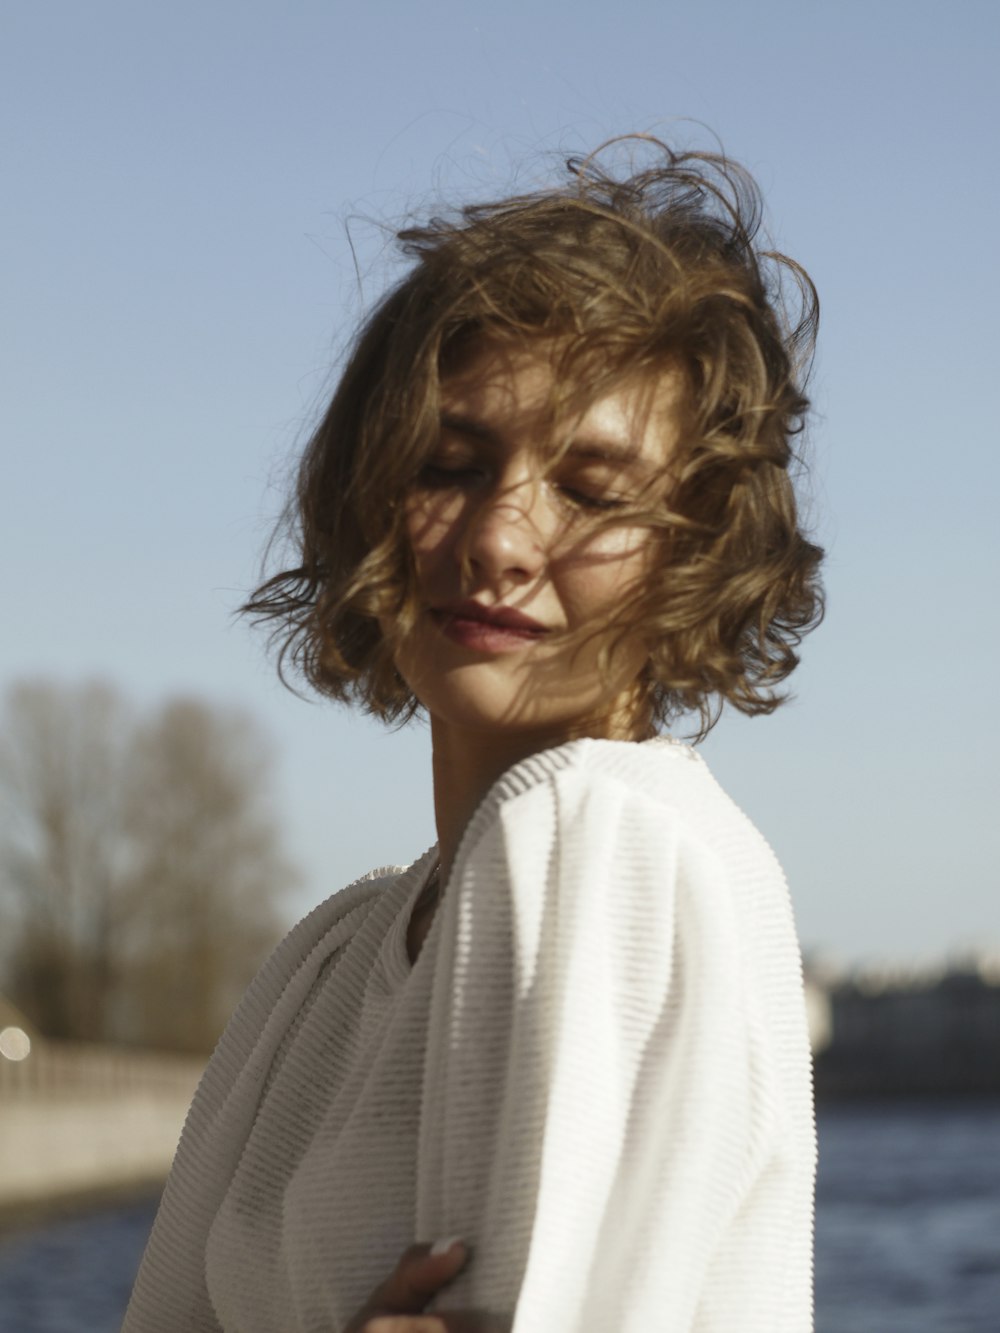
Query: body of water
[[908, 1218], [907, 1233]]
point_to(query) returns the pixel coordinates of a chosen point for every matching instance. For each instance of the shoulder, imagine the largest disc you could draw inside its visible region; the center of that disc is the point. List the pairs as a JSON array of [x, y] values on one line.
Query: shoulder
[[297, 959], [341, 913], [641, 829], [617, 821], [349, 906], [662, 783]]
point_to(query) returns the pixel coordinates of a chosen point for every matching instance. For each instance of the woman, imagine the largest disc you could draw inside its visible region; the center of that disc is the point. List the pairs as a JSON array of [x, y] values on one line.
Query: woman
[[551, 506]]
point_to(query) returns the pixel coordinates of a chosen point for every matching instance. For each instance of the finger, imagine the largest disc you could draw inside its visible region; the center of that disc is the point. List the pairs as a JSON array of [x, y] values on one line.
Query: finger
[[474, 1321], [401, 1323], [456, 1321], [417, 1277]]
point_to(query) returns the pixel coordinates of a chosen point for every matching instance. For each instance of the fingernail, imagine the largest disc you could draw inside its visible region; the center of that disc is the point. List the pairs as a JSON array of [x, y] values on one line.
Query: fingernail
[[443, 1246]]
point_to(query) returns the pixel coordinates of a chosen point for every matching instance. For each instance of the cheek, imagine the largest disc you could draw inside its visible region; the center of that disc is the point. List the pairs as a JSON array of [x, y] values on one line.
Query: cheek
[[424, 535], [431, 526], [611, 565]]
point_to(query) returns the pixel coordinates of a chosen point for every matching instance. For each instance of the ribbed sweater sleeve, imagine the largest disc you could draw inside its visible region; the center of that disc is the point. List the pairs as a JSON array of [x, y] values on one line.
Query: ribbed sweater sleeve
[[170, 1293], [601, 1115]]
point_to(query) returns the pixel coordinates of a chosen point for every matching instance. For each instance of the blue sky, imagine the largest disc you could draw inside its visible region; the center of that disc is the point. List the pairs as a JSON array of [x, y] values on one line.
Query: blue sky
[[179, 181]]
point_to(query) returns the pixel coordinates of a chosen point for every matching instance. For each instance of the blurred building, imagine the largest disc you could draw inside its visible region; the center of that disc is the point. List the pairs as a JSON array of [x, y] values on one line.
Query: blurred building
[[897, 1031]]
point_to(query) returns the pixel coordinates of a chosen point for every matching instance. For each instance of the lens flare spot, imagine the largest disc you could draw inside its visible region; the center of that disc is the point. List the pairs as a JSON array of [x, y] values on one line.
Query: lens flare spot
[[15, 1044]]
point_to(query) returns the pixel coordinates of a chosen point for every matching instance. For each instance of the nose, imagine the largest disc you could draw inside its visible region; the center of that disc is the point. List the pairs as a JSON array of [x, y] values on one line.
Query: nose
[[504, 537]]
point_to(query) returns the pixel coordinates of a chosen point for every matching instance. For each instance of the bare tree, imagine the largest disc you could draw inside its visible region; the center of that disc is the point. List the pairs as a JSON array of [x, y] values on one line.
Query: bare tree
[[140, 863], [205, 871], [62, 761]]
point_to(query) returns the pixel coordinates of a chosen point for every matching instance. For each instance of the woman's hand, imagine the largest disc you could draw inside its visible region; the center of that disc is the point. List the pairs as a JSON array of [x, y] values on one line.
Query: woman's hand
[[397, 1305]]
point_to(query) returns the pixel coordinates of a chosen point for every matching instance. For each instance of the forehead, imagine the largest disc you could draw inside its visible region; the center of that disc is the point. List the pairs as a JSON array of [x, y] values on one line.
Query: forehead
[[522, 395]]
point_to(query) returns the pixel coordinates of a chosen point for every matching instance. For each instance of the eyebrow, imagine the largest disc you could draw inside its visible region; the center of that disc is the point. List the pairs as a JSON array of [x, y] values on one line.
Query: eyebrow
[[599, 450]]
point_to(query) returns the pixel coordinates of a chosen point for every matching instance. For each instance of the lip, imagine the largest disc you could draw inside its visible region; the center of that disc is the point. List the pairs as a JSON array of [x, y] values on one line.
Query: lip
[[504, 617], [493, 629]]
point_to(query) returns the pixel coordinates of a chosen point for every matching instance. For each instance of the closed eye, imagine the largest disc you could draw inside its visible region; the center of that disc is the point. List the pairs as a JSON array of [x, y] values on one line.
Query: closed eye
[[438, 475], [586, 500]]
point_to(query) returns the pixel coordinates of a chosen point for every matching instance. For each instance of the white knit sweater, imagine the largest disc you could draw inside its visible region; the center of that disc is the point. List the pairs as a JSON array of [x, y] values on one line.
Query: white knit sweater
[[597, 1074]]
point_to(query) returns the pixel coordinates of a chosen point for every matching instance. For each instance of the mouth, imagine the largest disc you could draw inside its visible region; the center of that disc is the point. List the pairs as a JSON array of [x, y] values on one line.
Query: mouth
[[504, 617], [487, 629]]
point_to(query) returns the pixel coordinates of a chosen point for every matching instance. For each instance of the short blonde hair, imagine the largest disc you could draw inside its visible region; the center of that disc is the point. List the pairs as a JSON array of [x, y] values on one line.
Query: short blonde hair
[[642, 272]]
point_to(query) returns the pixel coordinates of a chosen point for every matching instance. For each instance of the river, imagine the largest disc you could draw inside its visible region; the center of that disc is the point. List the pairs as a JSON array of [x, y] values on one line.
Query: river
[[907, 1233]]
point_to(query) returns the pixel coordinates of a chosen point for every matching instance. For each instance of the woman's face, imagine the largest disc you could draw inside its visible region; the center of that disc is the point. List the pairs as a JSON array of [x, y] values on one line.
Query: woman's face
[[509, 562]]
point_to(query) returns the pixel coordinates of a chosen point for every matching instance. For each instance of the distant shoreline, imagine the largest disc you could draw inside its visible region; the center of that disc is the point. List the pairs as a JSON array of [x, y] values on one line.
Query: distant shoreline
[[18, 1217]]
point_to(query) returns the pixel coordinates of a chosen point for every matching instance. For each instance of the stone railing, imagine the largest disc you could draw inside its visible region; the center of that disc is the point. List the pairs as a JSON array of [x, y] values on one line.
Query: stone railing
[[62, 1068], [77, 1121]]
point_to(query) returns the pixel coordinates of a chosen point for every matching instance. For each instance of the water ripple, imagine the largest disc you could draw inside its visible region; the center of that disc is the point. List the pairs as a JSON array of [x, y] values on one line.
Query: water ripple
[[907, 1233]]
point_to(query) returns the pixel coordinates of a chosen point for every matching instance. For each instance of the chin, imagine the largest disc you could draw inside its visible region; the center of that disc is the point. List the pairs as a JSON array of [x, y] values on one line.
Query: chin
[[502, 713], [544, 698]]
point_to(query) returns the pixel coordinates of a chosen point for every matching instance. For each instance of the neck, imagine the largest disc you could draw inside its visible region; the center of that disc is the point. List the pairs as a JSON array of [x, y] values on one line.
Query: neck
[[465, 768], [467, 764]]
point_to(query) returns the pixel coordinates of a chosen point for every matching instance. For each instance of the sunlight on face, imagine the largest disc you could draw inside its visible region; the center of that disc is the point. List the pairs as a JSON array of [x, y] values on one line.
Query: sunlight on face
[[519, 584]]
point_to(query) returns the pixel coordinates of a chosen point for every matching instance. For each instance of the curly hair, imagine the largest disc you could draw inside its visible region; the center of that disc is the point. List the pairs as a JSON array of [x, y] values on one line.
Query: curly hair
[[637, 273]]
